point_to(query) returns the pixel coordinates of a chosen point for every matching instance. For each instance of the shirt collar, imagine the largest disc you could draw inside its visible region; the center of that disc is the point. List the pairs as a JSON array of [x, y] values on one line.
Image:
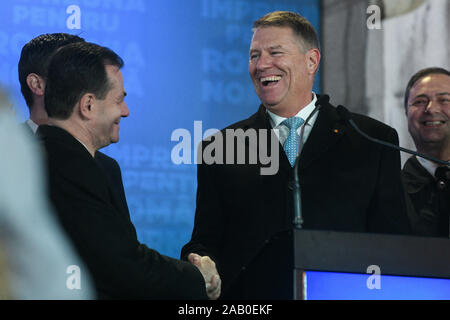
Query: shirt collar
[[33, 126], [304, 113], [83, 145], [428, 165]]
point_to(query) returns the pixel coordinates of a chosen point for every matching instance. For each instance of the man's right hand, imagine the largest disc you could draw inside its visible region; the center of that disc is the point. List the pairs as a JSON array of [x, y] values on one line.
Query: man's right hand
[[209, 271]]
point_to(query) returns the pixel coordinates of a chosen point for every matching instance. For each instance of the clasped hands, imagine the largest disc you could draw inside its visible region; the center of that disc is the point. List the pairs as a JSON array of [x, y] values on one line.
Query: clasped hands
[[209, 271]]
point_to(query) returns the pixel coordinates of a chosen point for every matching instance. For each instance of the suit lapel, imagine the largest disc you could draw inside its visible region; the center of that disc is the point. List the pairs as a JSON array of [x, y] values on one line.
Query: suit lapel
[[327, 131], [415, 176], [260, 120], [77, 165]]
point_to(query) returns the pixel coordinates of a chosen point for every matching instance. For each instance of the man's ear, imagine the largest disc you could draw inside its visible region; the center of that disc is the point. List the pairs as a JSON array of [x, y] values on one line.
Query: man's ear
[[312, 60], [86, 105], [36, 84]]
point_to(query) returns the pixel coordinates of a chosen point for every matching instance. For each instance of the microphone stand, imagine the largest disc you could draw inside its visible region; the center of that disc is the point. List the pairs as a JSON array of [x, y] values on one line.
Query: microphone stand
[[298, 217], [299, 280], [345, 114]]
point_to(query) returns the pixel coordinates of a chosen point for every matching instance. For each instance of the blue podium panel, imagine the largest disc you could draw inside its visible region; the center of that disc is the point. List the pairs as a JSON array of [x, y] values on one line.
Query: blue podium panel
[[353, 286]]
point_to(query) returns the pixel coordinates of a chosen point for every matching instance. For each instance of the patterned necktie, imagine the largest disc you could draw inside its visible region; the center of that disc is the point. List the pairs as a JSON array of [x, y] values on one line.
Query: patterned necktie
[[291, 143]]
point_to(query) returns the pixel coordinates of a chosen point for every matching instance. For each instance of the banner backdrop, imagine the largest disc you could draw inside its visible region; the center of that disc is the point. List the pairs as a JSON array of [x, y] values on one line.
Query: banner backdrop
[[185, 61]]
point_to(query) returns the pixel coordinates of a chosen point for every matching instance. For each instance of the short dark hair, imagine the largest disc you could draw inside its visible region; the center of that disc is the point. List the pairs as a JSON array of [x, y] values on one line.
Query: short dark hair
[[299, 25], [36, 55], [75, 70], [419, 75]]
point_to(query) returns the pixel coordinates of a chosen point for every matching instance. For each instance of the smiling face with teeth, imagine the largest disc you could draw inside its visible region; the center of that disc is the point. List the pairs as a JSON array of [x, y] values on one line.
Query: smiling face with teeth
[[281, 71], [428, 112]]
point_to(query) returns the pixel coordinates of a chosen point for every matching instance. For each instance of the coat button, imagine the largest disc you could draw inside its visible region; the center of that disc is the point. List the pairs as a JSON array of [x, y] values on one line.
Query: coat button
[[441, 185]]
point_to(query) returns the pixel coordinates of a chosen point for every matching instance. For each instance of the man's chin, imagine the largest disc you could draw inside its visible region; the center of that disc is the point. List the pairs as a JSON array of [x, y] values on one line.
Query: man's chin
[[270, 105], [107, 143], [276, 108]]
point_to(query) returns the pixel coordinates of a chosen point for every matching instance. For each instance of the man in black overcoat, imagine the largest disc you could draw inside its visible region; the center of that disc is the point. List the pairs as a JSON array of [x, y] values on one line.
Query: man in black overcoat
[[244, 215], [427, 183], [84, 100]]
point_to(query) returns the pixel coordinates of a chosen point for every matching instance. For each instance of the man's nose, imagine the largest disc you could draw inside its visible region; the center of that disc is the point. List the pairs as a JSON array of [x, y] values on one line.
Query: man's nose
[[433, 106], [125, 110], [264, 62]]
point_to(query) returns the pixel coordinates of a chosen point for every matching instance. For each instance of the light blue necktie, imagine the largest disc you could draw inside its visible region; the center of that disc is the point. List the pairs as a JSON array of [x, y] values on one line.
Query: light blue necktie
[[291, 143]]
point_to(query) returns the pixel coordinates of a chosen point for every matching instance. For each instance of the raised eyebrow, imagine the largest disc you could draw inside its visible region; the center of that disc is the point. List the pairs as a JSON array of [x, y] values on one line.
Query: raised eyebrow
[[443, 94]]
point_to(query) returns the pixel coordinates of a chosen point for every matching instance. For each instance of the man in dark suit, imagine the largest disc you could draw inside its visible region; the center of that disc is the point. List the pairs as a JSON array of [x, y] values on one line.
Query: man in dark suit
[[244, 218], [427, 106], [84, 100], [33, 64]]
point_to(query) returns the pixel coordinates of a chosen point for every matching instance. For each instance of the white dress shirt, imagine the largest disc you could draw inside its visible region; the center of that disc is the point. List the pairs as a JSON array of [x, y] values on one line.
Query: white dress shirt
[[33, 126], [283, 131], [430, 166]]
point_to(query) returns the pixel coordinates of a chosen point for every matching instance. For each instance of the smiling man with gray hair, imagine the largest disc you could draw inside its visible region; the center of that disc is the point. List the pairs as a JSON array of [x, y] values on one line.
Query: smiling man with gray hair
[[244, 219]]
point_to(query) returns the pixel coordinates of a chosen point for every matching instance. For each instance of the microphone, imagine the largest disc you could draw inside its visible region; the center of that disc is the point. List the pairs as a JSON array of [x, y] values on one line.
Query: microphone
[[345, 114], [298, 217]]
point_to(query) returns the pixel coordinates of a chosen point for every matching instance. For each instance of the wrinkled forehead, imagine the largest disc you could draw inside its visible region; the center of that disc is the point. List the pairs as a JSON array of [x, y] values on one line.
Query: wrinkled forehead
[[266, 37], [432, 82]]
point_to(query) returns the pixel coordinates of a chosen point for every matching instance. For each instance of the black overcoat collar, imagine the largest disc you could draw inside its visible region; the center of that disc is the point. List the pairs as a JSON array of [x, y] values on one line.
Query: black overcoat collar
[[328, 129]]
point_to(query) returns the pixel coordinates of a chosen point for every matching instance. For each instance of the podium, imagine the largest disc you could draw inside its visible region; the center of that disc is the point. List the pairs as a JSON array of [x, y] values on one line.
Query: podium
[[348, 252]]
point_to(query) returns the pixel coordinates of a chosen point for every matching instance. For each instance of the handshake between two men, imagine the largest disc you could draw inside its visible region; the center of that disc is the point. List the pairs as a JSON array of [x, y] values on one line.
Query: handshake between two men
[[209, 271]]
